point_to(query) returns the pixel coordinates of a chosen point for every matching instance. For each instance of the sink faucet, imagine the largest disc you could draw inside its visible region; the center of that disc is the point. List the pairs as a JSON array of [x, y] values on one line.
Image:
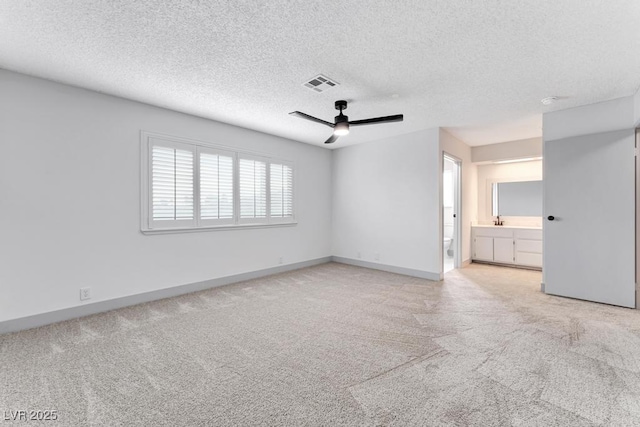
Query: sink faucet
[[498, 222]]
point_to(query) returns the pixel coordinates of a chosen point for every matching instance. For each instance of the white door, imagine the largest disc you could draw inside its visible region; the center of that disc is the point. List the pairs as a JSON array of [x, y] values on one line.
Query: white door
[[503, 250], [484, 248], [589, 224]]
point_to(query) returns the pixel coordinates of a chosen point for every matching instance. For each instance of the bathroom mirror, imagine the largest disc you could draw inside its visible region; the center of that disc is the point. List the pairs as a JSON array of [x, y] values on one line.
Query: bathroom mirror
[[522, 198]]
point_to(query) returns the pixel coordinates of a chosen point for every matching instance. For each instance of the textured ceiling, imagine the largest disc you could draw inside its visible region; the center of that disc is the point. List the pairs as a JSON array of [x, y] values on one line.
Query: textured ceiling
[[478, 68]]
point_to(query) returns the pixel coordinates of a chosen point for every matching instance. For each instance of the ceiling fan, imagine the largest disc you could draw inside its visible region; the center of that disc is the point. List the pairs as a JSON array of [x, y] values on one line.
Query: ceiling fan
[[341, 124]]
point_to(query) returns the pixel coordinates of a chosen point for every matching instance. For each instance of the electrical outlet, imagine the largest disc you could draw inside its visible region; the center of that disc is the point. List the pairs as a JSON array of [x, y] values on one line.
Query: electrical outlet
[[280, 260], [376, 256], [85, 293], [359, 254]]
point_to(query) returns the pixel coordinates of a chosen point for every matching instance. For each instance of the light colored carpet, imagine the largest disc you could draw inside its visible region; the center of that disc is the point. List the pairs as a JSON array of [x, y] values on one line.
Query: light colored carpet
[[337, 345]]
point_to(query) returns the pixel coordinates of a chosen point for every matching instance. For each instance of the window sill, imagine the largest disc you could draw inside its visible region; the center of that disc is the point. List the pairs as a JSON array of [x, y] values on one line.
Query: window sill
[[216, 228]]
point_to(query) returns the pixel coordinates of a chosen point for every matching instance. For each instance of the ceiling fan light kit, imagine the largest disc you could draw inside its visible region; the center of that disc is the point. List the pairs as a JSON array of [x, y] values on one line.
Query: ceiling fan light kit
[[341, 122], [341, 128]]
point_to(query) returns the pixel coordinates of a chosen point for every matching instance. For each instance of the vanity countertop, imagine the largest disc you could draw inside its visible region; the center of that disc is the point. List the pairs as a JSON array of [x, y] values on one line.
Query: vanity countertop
[[527, 227]]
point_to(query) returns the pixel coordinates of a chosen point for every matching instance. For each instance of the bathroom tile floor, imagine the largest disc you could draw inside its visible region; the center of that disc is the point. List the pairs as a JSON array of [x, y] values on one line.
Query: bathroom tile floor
[[447, 263]]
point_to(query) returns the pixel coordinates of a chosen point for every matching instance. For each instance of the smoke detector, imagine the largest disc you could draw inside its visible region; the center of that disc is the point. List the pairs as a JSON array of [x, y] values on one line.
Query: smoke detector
[[549, 100], [320, 83]]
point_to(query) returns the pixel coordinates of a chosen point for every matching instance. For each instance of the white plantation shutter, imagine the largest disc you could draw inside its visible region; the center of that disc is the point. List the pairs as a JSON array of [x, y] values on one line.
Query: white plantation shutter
[[190, 185], [216, 187], [281, 186], [171, 185], [253, 189]]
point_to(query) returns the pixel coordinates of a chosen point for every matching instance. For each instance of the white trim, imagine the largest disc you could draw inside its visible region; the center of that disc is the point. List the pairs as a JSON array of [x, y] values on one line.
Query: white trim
[[216, 228], [42, 319], [389, 268], [281, 220]]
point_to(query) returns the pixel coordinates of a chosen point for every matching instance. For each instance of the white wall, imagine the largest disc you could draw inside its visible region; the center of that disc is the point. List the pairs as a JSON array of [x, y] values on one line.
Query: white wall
[[386, 201], [453, 146], [589, 119], [70, 202], [508, 172], [520, 149]]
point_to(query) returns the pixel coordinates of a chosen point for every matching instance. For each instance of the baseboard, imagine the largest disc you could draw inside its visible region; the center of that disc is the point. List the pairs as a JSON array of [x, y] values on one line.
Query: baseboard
[[499, 264], [466, 263], [390, 268], [37, 320]]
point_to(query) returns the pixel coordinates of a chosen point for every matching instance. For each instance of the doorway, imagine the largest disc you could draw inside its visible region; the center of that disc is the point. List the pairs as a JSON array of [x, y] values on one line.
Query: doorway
[[450, 213]]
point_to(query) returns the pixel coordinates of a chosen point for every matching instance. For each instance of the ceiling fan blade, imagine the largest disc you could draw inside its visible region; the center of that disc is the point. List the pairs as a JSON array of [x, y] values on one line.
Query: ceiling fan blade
[[311, 118], [385, 119], [332, 139]]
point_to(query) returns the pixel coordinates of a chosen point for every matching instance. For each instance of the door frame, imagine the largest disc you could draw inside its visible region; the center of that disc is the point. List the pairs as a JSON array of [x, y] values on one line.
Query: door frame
[[637, 177], [457, 210]]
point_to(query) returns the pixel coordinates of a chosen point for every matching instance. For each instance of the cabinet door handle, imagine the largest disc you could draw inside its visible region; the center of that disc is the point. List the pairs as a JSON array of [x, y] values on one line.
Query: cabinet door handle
[[551, 217]]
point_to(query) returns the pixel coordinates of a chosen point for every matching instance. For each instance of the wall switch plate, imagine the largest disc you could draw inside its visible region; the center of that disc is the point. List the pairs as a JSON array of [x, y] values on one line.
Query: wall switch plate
[[377, 256], [280, 260], [85, 294], [359, 255]]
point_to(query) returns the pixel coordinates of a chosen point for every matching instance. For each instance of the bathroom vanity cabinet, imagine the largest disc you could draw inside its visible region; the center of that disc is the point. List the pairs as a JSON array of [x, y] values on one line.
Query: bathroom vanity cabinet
[[517, 246]]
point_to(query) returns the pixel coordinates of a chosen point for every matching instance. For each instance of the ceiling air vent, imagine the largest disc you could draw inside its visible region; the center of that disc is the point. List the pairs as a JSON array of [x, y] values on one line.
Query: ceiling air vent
[[320, 83]]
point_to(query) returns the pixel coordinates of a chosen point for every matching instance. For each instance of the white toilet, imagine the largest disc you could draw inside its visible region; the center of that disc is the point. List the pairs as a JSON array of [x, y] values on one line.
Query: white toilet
[[445, 247]]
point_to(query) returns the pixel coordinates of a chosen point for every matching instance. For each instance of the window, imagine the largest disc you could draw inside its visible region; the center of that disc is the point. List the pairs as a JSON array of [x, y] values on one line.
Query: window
[[193, 185]]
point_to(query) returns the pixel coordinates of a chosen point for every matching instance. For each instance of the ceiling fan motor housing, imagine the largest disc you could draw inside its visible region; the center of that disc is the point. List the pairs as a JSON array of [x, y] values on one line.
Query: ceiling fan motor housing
[[341, 105], [341, 118]]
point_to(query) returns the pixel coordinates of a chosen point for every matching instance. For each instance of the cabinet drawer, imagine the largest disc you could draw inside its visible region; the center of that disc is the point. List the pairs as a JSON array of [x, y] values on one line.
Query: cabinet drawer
[[534, 246], [529, 234], [530, 259], [493, 232]]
